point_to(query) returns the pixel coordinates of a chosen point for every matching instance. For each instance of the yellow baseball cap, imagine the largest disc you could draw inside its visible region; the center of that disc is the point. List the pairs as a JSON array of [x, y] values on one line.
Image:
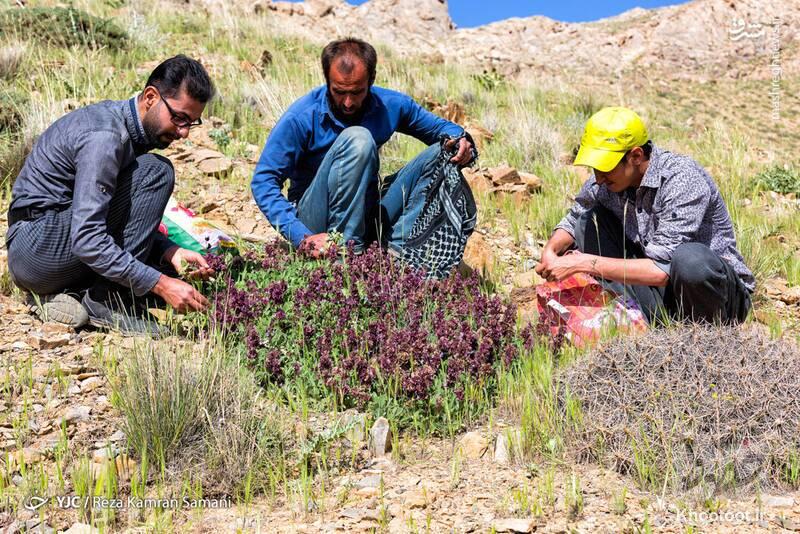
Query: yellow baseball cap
[[608, 135]]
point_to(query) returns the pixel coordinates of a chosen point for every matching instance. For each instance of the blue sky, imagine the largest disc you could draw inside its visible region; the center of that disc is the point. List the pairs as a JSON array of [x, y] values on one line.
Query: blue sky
[[467, 13]]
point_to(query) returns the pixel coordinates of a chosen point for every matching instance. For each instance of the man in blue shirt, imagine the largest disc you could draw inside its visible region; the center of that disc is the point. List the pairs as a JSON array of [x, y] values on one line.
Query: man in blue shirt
[[327, 144]]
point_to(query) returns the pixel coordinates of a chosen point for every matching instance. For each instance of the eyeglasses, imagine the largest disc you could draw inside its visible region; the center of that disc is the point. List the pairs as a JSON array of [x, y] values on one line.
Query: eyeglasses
[[179, 119]]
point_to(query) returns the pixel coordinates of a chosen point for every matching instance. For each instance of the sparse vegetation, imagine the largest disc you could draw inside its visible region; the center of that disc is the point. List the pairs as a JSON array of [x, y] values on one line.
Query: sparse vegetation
[[61, 26]]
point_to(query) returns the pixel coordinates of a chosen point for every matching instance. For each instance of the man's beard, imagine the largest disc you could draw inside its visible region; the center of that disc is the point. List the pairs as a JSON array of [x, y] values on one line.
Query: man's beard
[[339, 113], [153, 136]]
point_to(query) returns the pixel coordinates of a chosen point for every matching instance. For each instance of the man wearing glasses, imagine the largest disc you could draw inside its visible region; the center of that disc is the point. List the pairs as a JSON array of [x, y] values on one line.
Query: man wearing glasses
[[83, 221]]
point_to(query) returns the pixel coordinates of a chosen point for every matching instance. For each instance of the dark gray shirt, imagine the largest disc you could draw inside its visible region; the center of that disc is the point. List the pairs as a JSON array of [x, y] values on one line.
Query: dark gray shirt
[[75, 163], [677, 202]]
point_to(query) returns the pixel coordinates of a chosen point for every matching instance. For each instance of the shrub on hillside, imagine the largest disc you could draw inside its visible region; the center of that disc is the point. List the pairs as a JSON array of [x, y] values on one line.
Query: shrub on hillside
[[780, 178], [59, 26], [691, 408], [359, 330]]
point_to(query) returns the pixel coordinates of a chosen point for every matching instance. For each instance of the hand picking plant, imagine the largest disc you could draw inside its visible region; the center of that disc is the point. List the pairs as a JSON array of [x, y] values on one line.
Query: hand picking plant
[[362, 330]]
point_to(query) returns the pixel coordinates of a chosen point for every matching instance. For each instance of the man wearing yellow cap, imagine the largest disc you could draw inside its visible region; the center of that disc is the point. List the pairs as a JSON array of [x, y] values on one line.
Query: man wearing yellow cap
[[652, 224]]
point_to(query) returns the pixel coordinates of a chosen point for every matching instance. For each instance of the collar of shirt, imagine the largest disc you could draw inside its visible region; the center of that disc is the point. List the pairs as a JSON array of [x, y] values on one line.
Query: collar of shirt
[[652, 176], [134, 122], [325, 107]]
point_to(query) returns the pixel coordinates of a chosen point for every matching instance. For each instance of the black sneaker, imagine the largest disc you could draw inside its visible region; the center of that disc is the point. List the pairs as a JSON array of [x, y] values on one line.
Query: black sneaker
[[112, 310]]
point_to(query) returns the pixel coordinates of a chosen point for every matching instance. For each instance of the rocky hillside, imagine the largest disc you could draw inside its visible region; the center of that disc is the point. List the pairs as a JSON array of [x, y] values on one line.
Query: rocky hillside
[[701, 39]]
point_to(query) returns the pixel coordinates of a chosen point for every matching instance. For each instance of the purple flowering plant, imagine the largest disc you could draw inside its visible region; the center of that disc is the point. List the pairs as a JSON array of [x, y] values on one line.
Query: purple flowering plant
[[361, 330]]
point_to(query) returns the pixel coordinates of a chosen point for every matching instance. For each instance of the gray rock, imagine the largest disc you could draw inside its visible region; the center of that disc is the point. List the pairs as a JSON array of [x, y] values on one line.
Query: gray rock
[[514, 525], [74, 414], [507, 446], [373, 481], [356, 514], [380, 437], [778, 501]]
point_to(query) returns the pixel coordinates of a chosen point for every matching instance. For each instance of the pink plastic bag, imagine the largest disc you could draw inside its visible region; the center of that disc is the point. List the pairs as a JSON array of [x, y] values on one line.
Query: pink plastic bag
[[581, 310]]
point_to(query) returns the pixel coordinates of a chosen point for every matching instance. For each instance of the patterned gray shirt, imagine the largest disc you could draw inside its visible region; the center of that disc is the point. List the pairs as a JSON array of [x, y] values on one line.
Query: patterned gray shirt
[[75, 164], [677, 202]]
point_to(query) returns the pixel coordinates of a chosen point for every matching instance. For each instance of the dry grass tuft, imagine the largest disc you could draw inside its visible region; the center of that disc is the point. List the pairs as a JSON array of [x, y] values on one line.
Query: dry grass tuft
[[11, 56], [687, 408]]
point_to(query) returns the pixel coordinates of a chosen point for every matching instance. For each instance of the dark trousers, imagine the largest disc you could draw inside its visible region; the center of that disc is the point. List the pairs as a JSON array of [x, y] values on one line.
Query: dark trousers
[[40, 257], [702, 286]]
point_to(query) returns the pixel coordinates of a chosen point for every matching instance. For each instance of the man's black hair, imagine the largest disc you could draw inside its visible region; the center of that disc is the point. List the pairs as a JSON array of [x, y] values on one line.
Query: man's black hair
[[647, 148], [181, 72], [347, 48]]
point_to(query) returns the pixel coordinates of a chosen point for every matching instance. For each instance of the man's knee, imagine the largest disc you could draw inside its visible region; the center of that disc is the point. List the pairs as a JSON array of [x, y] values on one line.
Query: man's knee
[[595, 227], [358, 140], [693, 264], [157, 169]]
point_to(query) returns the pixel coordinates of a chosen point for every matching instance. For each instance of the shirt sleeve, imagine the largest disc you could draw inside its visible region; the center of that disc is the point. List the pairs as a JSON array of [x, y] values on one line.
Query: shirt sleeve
[[684, 201], [98, 162], [278, 161], [585, 200], [161, 244], [424, 125]]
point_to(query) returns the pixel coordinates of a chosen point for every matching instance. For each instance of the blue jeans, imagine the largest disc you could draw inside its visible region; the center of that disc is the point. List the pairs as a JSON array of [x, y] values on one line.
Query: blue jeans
[[344, 195]]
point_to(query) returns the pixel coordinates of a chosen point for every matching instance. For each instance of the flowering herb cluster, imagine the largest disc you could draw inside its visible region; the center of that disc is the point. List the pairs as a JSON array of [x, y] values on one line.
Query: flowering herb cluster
[[360, 330]]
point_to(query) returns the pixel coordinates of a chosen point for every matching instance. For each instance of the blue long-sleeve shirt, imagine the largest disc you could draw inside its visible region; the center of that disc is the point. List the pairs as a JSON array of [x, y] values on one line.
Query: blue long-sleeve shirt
[[304, 134]]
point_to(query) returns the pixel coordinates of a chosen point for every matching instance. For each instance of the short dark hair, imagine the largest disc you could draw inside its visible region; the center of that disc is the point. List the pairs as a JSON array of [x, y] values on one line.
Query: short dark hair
[[647, 148], [182, 72], [349, 47]]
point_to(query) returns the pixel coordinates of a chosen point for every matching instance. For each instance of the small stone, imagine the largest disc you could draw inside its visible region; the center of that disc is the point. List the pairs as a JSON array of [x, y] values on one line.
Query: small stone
[[125, 466], [777, 501], [91, 383], [84, 376], [356, 514], [367, 492], [20, 345], [81, 528], [473, 445], [102, 455], [42, 342], [380, 437], [514, 525], [418, 498], [477, 180], [74, 414], [119, 435], [54, 329], [528, 279], [214, 166], [373, 481], [504, 174], [531, 181], [507, 446]]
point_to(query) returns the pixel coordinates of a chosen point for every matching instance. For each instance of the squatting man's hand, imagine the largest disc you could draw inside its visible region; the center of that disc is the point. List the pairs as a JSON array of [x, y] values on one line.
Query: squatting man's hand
[[315, 245], [177, 293], [463, 155], [553, 267]]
